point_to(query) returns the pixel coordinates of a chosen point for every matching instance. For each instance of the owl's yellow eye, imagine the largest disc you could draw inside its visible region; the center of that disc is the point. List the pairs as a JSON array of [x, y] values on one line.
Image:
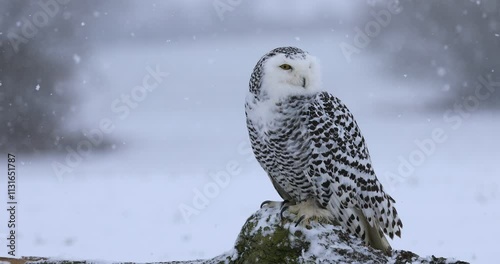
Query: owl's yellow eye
[[285, 66]]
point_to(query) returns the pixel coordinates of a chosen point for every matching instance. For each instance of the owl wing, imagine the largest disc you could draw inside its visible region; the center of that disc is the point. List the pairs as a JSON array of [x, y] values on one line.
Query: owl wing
[[265, 157], [340, 168]]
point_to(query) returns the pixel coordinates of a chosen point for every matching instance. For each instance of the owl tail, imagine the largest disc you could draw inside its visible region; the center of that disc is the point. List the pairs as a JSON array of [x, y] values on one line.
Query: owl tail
[[374, 235]]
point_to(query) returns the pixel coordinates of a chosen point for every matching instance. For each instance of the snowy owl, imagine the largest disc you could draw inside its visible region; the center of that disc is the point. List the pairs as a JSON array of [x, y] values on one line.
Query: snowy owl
[[312, 149]]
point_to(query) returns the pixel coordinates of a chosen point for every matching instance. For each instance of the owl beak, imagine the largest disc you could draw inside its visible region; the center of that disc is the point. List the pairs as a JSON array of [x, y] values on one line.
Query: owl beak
[[304, 82]]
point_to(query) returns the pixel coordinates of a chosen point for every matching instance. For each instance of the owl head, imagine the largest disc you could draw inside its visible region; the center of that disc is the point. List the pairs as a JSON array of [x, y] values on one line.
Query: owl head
[[285, 71]]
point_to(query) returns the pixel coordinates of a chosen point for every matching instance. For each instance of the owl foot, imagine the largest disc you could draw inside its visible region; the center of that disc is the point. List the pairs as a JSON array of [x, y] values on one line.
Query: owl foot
[[308, 212], [282, 205]]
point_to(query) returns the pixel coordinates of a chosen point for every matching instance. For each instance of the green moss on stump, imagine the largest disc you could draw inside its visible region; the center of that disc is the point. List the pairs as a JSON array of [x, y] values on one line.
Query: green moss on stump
[[268, 244]]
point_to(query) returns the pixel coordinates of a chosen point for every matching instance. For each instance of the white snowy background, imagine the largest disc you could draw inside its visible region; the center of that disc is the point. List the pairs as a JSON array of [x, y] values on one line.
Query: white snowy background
[[122, 202]]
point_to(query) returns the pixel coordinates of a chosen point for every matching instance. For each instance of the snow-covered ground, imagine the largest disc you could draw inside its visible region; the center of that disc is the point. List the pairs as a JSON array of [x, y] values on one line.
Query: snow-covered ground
[[124, 204]]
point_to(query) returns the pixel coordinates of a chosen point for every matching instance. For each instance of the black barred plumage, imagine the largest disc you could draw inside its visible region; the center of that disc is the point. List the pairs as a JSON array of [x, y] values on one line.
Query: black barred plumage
[[312, 148]]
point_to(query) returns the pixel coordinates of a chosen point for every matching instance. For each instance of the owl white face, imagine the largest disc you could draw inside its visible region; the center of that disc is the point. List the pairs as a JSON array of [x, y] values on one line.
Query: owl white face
[[284, 76]]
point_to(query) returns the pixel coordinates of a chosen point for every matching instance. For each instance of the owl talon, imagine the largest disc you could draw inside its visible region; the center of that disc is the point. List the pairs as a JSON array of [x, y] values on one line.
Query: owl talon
[[265, 203], [269, 203], [283, 209], [300, 220], [284, 203]]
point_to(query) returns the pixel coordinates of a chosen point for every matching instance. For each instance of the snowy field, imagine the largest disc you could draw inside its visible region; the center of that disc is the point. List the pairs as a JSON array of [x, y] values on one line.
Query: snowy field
[[124, 204]]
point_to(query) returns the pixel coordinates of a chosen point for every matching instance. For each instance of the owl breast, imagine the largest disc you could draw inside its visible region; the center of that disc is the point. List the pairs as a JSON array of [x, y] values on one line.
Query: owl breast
[[278, 132]]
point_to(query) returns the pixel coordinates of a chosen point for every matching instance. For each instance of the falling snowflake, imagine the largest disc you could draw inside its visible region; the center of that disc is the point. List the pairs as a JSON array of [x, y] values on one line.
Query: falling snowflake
[[446, 87], [83, 24], [37, 87], [76, 58], [441, 71]]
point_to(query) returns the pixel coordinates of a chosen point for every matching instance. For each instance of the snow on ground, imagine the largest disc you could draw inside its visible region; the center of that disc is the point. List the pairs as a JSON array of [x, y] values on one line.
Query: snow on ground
[[123, 205]]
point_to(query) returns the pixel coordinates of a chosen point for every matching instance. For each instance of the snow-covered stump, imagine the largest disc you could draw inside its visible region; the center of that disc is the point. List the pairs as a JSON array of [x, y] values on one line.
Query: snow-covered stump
[[266, 238]]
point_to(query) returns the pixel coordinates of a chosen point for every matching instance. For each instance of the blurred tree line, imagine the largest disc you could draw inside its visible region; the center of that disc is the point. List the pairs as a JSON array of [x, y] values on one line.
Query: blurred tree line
[[41, 42]]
